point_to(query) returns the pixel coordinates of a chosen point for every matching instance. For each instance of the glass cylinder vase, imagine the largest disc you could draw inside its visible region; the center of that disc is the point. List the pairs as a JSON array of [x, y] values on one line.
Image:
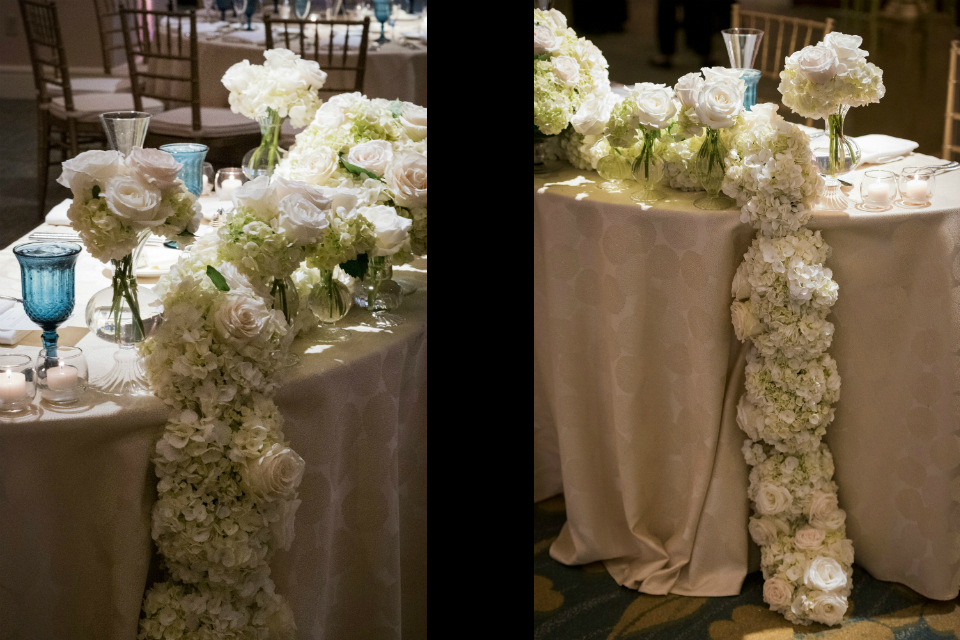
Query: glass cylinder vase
[[615, 171], [710, 169], [330, 301], [648, 170], [835, 154], [377, 292], [263, 160], [126, 314]]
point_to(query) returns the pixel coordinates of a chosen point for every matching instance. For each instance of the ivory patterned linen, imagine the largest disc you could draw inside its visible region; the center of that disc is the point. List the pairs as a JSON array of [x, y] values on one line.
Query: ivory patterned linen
[[637, 376]]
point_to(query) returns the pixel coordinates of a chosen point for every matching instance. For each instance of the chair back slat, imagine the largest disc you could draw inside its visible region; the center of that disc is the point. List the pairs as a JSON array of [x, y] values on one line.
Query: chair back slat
[[170, 55], [305, 35], [108, 24], [949, 147], [47, 56]]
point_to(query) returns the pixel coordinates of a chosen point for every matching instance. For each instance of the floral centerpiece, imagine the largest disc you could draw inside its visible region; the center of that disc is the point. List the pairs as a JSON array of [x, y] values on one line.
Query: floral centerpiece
[[567, 72], [782, 294], [117, 203], [284, 85], [228, 479], [823, 81]]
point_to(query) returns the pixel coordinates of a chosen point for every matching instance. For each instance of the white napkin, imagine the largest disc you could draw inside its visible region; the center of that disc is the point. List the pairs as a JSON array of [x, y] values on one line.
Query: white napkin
[[210, 205], [12, 315], [257, 36], [878, 148], [58, 215]]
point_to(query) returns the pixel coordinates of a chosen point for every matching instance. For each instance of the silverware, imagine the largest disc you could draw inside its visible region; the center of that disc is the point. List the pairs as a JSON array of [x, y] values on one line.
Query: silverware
[[844, 182], [73, 237], [11, 298], [217, 220], [943, 168]]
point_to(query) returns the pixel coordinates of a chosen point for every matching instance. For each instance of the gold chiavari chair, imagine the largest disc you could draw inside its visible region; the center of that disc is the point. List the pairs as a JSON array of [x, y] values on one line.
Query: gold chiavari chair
[[65, 120], [111, 35], [949, 147], [166, 42]]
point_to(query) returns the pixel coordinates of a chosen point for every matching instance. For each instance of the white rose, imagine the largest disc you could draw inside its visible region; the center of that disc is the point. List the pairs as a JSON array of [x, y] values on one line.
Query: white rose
[[824, 574], [330, 115], [818, 63], [745, 324], [301, 220], [316, 166], [740, 288], [278, 59], [809, 538], [777, 593], [284, 187], [238, 77], [241, 318], [828, 608], [822, 504], [157, 167], [392, 230], [238, 282], [763, 531], [135, 201], [414, 120], [719, 104], [544, 39], [407, 178], [847, 47], [833, 520], [688, 89], [772, 498], [275, 474], [88, 168], [282, 531], [258, 194], [374, 156], [749, 418], [789, 466], [591, 118], [311, 73], [715, 74], [655, 107], [765, 112], [567, 70], [558, 18]]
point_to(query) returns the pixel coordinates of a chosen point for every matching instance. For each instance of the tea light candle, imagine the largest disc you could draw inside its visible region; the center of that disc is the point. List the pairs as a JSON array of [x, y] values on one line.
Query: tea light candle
[[228, 186], [62, 378], [13, 386], [878, 193], [917, 190], [206, 185]]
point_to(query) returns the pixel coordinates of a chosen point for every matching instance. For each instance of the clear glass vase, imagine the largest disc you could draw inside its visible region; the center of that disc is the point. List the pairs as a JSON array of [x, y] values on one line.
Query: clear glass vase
[[836, 154], [544, 155], [263, 160], [377, 292], [615, 171], [126, 314], [710, 168], [330, 301], [648, 170]]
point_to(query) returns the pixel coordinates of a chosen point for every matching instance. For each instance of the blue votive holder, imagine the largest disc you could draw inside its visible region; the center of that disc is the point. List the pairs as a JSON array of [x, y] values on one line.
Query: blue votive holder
[[47, 278], [751, 77], [191, 155]]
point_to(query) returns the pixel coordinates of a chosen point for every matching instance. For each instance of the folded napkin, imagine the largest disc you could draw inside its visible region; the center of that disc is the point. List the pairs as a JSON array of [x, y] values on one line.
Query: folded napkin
[[878, 148], [210, 205], [58, 215], [9, 317]]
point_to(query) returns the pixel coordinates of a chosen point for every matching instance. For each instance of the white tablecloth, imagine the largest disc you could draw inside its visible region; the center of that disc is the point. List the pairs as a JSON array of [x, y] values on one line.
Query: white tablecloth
[[637, 375], [77, 486]]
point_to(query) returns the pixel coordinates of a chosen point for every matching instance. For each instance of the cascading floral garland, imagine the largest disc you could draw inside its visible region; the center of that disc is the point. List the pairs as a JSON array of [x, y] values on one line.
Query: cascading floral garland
[[782, 294]]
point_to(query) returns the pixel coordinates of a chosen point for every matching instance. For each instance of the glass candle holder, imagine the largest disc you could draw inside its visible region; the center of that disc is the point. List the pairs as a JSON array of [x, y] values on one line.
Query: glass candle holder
[[917, 185], [62, 374], [18, 385], [228, 181], [878, 189], [208, 177], [191, 155]]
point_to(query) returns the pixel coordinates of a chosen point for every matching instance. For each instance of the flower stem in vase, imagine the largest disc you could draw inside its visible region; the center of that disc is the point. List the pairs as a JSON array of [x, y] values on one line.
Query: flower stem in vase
[[710, 170], [378, 293], [648, 170], [836, 154], [264, 160], [330, 301]]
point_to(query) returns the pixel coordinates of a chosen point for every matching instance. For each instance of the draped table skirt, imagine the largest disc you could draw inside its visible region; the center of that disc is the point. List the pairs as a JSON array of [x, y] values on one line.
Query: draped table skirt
[[637, 375]]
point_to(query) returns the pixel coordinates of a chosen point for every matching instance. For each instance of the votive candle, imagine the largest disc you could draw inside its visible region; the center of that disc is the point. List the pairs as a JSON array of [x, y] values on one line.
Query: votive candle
[[13, 386], [62, 377]]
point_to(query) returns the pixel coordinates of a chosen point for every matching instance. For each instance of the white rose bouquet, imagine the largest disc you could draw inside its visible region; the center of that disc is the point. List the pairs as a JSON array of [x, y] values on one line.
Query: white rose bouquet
[[284, 85], [568, 72], [373, 148], [118, 202]]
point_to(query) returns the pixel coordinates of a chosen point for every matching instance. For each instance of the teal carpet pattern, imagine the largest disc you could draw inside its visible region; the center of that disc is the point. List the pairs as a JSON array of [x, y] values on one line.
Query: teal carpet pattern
[[584, 603]]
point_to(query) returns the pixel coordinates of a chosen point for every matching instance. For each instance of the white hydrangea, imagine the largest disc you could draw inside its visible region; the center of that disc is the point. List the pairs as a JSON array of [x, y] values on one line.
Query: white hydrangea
[[285, 84]]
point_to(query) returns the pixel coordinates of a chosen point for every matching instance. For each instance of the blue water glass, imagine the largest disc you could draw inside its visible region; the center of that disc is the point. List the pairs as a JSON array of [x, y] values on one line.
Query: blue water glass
[[382, 10], [751, 77], [224, 6], [47, 278], [252, 6], [191, 156], [302, 8]]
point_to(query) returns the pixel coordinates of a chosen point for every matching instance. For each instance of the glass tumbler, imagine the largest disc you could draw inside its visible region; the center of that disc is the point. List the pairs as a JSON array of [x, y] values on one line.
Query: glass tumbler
[[878, 189], [62, 375], [917, 185], [191, 156], [18, 385]]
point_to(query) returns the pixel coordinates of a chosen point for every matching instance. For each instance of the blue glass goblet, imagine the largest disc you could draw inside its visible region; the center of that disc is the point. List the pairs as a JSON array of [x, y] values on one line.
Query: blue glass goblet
[[47, 278], [249, 11], [191, 156], [382, 10]]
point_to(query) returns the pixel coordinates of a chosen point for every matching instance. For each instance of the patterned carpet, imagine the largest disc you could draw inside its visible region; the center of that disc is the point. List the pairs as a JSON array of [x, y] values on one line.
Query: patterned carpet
[[584, 603]]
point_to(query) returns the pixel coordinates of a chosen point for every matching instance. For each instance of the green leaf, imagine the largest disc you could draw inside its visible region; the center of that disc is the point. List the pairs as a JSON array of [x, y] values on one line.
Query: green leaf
[[354, 169], [96, 191], [217, 279], [187, 233], [395, 108], [543, 56], [356, 267]]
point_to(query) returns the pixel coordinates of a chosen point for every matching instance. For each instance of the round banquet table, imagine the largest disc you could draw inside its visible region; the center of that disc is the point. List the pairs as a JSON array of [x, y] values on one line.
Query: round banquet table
[[77, 487], [637, 375]]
